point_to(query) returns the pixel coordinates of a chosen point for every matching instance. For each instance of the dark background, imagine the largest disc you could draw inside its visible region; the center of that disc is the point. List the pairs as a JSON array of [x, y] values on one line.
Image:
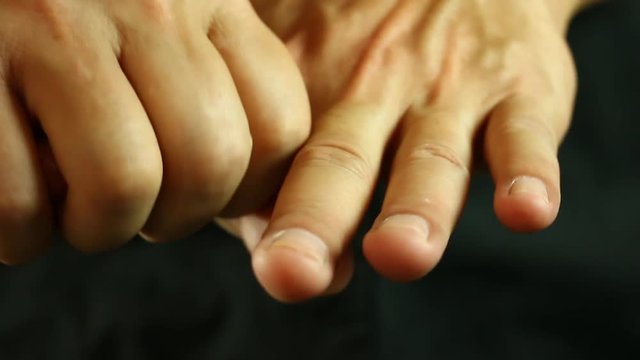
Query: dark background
[[572, 292]]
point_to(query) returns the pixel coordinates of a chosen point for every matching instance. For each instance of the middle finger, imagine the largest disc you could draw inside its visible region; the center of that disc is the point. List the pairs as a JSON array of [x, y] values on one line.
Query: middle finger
[[190, 96]]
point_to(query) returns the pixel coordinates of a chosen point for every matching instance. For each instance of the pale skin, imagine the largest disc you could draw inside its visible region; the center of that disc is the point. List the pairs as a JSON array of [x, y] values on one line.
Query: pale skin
[[417, 81], [434, 86], [148, 107]]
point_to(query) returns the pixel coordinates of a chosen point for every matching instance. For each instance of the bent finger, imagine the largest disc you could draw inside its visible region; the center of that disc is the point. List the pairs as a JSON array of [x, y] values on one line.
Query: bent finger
[[198, 119], [100, 136], [25, 211], [275, 101]]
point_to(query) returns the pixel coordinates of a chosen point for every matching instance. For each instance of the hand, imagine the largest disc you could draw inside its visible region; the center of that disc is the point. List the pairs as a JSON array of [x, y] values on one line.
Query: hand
[[153, 114], [418, 82]]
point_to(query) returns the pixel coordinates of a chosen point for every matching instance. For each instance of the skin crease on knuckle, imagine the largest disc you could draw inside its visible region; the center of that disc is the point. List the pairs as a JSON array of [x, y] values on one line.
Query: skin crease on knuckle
[[343, 156], [161, 15], [469, 54]]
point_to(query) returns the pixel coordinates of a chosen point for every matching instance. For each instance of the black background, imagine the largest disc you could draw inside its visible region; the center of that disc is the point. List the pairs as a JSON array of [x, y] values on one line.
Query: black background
[[572, 292]]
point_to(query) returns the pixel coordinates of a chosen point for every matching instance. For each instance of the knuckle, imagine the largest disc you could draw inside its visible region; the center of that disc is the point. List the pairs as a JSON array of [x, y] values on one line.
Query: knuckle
[[432, 150], [53, 39], [126, 188], [380, 59], [502, 55], [219, 29], [59, 21], [343, 156], [18, 208], [144, 18], [210, 172], [213, 170], [383, 54], [230, 153], [211, 165], [285, 135], [526, 125], [221, 22], [50, 11], [159, 11]]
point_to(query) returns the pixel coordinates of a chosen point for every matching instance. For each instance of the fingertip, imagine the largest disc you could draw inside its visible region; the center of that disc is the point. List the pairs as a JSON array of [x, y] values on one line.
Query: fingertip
[[289, 277], [342, 275], [400, 251], [18, 257], [526, 204], [292, 266], [148, 237]]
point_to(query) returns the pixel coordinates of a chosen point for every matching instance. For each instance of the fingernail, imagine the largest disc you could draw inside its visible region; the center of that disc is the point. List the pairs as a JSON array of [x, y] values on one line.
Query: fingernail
[[406, 222], [301, 241], [528, 185], [147, 237]]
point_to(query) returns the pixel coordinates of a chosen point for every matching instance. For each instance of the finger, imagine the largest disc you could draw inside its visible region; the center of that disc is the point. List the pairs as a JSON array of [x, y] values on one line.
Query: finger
[[100, 136], [198, 118], [275, 101], [521, 150], [251, 228], [426, 192], [56, 185], [330, 183], [25, 214], [342, 274], [322, 201], [248, 228]]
